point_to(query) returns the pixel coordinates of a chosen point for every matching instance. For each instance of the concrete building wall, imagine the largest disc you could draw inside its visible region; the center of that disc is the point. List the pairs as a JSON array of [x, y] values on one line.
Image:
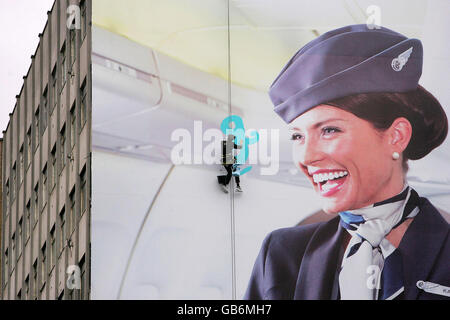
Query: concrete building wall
[[45, 233]]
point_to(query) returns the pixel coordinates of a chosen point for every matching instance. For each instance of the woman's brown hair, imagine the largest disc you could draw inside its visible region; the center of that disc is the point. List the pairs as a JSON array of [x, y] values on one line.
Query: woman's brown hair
[[420, 107]]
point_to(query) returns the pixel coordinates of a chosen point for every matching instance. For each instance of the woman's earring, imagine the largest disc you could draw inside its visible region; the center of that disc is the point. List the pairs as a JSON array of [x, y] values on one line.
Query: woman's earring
[[395, 156]]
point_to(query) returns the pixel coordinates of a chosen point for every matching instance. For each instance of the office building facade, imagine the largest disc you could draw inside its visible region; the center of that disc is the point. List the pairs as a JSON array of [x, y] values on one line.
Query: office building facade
[[46, 166]]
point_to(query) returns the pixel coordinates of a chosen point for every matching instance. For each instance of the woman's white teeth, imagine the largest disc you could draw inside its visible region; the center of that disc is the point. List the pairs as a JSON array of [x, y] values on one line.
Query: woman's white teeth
[[321, 177]]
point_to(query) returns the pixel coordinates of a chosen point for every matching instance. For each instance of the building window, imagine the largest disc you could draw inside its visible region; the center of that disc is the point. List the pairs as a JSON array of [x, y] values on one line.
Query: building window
[[7, 200], [44, 184], [71, 218], [5, 271], [13, 251], [44, 110], [29, 147], [21, 165], [71, 295], [54, 90], [19, 238], [36, 204], [27, 221], [63, 76], [27, 287], [83, 105], [43, 265], [83, 191], [62, 223], [72, 47], [83, 278], [52, 248], [37, 128], [73, 126], [54, 167], [63, 147], [35, 283], [83, 19], [13, 183]]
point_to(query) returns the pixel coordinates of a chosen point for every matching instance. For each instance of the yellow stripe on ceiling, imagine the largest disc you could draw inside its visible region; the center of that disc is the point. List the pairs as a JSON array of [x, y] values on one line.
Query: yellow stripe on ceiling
[[195, 33]]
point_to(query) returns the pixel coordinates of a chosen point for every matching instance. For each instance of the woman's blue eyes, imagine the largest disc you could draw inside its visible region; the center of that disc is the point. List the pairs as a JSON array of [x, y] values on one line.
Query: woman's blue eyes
[[296, 136], [325, 131], [329, 130]]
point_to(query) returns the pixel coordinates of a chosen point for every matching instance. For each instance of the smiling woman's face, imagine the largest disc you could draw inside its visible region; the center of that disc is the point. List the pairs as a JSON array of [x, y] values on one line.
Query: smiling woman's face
[[347, 160]]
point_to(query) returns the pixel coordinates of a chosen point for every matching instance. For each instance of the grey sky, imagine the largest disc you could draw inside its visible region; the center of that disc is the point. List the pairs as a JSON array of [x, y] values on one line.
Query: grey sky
[[20, 23]]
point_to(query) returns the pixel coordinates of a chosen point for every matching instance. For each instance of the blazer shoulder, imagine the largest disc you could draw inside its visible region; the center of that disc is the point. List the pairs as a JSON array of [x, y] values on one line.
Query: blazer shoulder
[[292, 238], [276, 269], [426, 205], [295, 232]]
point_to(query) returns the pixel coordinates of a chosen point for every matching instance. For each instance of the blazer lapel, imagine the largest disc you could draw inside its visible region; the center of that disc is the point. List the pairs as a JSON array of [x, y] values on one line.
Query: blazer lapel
[[318, 268], [420, 246]]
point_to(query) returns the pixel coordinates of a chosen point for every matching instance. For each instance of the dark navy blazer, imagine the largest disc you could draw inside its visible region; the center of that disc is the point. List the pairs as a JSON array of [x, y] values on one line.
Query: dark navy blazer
[[301, 262]]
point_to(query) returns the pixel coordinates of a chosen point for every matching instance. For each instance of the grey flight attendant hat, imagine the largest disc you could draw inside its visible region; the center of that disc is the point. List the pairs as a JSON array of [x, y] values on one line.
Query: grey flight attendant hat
[[343, 62]]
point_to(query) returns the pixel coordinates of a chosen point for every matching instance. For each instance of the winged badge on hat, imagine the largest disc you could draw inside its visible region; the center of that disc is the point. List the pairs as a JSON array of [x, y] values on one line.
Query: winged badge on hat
[[399, 62]]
